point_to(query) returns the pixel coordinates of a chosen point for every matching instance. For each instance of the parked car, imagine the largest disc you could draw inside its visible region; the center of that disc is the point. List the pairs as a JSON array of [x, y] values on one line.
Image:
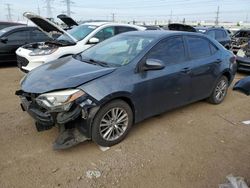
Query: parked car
[[13, 37], [68, 42], [239, 38], [99, 93], [243, 57], [8, 24], [179, 27], [218, 33], [68, 21]]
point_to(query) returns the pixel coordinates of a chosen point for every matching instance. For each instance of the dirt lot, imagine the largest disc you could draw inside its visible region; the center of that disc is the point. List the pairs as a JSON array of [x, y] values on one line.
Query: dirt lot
[[194, 146]]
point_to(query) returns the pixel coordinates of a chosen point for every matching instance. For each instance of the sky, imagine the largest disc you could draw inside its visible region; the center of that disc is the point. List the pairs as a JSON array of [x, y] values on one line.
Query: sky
[[139, 10]]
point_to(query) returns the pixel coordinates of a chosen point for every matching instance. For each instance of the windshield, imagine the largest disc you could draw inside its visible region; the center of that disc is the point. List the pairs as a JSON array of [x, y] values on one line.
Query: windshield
[[78, 32], [117, 51]]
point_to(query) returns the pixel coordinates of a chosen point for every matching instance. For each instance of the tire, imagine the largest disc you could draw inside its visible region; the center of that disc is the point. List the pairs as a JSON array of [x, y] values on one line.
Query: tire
[[111, 132], [220, 87]]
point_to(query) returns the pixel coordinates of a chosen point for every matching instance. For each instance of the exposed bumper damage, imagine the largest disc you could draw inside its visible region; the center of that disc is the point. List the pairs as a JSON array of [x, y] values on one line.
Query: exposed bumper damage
[[243, 59], [74, 125]]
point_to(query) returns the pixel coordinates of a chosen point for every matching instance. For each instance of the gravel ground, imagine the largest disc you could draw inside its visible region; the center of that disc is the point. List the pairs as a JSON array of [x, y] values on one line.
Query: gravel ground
[[194, 146]]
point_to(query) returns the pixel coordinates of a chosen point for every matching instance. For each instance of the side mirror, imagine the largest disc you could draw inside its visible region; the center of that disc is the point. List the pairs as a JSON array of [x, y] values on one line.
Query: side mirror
[[4, 39], [94, 40], [153, 64]]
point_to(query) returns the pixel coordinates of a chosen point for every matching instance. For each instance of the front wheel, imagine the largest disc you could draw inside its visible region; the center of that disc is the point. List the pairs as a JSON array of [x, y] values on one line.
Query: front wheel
[[112, 123], [220, 91]]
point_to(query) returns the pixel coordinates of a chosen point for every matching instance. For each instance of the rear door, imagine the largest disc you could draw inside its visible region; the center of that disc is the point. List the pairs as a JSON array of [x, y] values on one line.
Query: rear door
[[167, 88], [204, 60], [15, 39]]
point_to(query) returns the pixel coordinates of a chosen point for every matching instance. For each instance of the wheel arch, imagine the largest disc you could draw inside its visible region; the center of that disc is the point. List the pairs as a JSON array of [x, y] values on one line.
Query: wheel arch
[[121, 96]]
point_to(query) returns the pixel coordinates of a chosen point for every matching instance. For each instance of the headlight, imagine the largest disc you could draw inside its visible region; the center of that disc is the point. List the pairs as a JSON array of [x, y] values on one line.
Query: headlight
[[38, 52], [60, 100]]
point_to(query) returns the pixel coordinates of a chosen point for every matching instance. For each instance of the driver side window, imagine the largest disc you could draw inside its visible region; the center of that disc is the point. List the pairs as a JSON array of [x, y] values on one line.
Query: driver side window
[[105, 33], [169, 51]]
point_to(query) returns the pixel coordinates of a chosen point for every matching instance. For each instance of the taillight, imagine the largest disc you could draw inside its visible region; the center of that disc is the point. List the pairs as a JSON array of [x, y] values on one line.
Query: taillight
[[233, 59]]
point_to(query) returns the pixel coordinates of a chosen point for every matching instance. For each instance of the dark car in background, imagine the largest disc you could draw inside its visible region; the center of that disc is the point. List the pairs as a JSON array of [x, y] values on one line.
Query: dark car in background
[[240, 38], [9, 24], [218, 33], [179, 27], [11, 38], [99, 93], [151, 27]]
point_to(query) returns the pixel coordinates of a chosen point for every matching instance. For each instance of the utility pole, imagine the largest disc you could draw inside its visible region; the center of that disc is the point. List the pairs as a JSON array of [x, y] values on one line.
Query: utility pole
[[49, 8], [113, 17], [9, 15], [247, 18], [68, 4], [170, 19], [38, 10], [217, 16]]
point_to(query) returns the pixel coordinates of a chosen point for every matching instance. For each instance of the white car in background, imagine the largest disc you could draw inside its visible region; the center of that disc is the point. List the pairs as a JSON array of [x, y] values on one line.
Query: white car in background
[[64, 43]]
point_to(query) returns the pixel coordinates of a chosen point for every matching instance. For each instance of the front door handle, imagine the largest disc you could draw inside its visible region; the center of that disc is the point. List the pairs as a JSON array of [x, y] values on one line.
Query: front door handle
[[186, 70]]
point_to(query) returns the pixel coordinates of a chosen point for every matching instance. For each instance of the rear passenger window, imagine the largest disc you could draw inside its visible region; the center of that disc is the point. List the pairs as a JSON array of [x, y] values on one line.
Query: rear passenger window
[[198, 47], [169, 51], [123, 29], [38, 36]]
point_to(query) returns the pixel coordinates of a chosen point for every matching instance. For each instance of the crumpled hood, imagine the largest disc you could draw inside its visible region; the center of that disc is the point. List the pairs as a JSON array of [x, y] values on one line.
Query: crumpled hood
[[62, 74]]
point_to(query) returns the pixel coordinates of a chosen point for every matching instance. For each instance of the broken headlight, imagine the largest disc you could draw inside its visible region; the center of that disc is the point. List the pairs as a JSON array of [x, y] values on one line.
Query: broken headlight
[[60, 100], [38, 52]]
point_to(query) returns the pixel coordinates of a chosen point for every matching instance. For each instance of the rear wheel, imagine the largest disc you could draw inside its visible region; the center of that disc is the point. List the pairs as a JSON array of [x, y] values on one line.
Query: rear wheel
[[112, 123], [220, 91]]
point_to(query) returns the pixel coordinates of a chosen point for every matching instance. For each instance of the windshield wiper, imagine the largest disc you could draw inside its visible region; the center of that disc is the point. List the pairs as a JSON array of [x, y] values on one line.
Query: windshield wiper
[[94, 62]]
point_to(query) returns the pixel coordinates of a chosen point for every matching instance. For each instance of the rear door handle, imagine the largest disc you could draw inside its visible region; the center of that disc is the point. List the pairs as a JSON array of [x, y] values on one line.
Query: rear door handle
[[186, 70]]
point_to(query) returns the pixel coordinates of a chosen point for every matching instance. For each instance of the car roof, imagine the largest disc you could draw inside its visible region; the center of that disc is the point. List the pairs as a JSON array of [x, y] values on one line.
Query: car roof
[[160, 33], [14, 23], [17, 27], [111, 23]]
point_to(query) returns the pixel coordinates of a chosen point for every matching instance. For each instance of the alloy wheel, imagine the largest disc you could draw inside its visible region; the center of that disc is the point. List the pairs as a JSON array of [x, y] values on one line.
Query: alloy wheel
[[113, 124]]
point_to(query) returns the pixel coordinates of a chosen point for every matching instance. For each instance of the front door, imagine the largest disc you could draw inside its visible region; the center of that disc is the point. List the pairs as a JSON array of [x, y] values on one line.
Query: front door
[[167, 88]]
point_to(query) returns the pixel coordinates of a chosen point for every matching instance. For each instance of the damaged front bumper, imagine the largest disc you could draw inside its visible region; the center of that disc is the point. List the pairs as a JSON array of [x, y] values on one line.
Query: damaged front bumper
[[74, 124]]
